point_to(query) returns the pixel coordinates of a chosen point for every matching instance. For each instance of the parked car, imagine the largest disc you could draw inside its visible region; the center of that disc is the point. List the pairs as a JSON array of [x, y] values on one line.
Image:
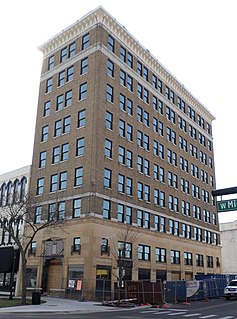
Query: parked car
[[231, 289]]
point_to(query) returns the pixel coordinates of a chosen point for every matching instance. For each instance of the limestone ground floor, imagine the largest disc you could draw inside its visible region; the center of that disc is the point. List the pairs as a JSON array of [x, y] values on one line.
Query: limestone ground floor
[[90, 255]]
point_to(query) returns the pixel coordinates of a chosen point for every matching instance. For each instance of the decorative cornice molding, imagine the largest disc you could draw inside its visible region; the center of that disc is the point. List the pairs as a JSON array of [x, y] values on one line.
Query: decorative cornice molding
[[101, 16]]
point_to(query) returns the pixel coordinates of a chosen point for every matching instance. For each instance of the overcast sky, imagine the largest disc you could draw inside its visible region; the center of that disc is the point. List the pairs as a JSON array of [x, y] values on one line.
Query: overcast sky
[[194, 39]]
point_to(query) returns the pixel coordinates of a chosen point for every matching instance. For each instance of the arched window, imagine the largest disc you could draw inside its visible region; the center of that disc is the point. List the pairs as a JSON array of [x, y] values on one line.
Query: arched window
[[16, 191], [3, 194], [23, 187], [9, 193]]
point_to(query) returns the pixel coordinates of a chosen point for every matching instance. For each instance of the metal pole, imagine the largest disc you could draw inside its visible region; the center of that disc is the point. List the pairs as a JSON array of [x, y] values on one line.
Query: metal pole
[[120, 276]]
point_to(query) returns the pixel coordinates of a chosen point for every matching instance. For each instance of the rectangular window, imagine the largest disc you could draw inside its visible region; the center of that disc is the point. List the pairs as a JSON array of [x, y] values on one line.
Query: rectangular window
[[51, 62], [38, 214], [71, 49], [54, 183], [42, 160], [66, 124], [109, 120], [107, 178], [85, 41], [81, 118], [83, 91], [111, 43], [63, 55], [61, 210], [65, 151], [108, 148], [84, 66], [62, 181], [70, 73], [61, 78], [175, 257], [106, 209], [188, 259], [58, 128], [160, 255], [49, 85], [78, 176], [56, 155], [46, 109], [45, 133], [110, 93], [144, 252], [76, 208], [110, 68], [76, 245], [121, 183]]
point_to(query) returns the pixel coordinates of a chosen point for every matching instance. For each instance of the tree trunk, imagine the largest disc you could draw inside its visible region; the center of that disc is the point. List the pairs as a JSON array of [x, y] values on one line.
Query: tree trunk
[[23, 280]]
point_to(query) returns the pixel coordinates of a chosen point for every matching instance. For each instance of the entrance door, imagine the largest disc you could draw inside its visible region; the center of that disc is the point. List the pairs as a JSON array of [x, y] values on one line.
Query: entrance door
[[55, 275]]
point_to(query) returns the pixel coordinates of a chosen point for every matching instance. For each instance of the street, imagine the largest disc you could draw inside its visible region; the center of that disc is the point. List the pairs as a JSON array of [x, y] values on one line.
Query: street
[[216, 309]]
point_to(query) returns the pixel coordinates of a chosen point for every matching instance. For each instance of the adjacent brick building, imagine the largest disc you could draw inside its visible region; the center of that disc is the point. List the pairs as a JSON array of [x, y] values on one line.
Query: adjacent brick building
[[119, 141]]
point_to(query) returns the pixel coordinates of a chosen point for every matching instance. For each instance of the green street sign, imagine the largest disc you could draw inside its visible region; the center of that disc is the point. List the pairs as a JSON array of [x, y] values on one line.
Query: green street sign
[[227, 205]]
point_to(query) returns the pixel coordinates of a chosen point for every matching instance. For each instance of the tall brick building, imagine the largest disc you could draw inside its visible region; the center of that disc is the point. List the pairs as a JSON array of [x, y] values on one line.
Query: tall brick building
[[119, 141]]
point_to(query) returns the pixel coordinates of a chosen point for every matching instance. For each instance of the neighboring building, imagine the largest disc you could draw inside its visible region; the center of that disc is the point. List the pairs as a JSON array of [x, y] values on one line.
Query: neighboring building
[[118, 141], [228, 252], [13, 188]]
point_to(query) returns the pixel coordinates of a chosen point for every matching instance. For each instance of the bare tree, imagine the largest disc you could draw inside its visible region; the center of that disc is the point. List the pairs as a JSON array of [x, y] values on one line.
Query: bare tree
[[18, 219], [124, 255]]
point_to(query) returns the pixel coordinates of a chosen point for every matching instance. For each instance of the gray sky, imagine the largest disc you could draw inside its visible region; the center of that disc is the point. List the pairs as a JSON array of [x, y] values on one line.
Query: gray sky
[[194, 39]]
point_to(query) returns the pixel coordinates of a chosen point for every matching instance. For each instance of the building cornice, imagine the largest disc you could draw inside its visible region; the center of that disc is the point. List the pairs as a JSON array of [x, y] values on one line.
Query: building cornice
[[101, 16]]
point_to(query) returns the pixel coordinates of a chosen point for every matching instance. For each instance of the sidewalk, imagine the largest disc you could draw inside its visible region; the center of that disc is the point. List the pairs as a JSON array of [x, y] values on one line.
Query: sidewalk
[[61, 305]]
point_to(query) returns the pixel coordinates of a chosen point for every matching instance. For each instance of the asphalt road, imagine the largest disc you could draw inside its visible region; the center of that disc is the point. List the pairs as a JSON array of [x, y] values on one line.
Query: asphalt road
[[213, 309]]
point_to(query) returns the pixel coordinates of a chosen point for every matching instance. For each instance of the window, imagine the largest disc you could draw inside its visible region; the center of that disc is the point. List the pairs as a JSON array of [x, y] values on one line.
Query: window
[[108, 148], [111, 43], [83, 91], [56, 155], [40, 186], [130, 60], [46, 109], [121, 183], [49, 85], [45, 133], [62, 181], [209, 262], [84, 66], [76, 208], [143, 219], [129, 186], [188, 259], [70, 72], [68, 98], [85, 41], [130, 83], [107, 178], [144, 252], [78, 176], [109, 120], [65, 150], [51, 62], [42, 160], [66, 124], [122, 78], [80, 146], [71, 49], [63, 55], [38, 213], [160, 255], [159, 86], [58, 128], [61, 78], [110, 93], [59, 103], [81, 118], [175, 257], [199, 260], [61, 210], [54, 183], [125, 249], [106, 209], [110, 68], [139, 68], [76, 245]]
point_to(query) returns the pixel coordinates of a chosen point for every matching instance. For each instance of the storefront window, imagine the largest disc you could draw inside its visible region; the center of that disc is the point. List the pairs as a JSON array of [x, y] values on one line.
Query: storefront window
[[31, 276]]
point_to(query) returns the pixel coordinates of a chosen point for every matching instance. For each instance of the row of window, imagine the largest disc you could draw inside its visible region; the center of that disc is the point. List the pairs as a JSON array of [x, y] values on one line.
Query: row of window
[[148, 220], [69, 51], [12, 192], [62, 126], [143, 71]]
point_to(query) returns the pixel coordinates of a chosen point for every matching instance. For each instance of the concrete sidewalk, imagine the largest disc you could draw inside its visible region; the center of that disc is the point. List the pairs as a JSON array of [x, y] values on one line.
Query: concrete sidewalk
[[61, 305]]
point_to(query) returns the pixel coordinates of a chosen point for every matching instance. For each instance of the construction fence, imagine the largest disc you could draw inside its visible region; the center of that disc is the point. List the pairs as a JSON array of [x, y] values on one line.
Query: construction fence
[[142, 292]]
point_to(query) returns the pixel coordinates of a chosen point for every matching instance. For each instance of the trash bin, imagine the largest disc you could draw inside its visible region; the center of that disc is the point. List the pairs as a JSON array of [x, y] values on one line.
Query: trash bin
[[36, 298]]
